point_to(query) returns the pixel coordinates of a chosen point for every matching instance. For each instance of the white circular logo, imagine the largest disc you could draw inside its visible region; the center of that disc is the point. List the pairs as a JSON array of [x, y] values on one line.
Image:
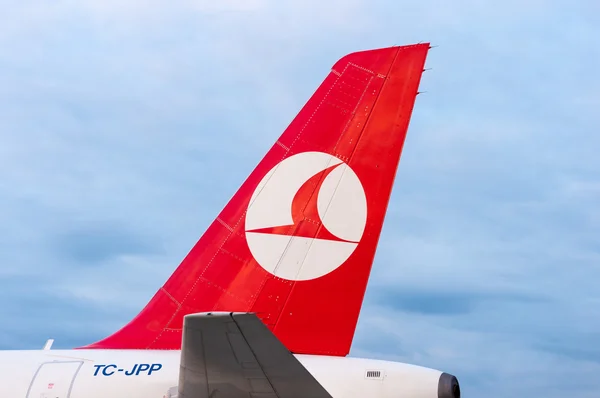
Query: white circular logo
[[341, 205]]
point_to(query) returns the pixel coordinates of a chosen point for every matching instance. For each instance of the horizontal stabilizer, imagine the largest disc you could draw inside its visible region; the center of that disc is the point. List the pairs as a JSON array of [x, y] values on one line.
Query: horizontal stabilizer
[[233, 355]]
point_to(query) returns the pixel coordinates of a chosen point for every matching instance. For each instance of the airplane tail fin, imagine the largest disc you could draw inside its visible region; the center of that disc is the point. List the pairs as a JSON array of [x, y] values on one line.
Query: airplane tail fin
[[296, 243]]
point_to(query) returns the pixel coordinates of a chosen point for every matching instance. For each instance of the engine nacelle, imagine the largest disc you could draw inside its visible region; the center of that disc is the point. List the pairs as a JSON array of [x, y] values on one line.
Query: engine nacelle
[[448, 386], [357, 377]]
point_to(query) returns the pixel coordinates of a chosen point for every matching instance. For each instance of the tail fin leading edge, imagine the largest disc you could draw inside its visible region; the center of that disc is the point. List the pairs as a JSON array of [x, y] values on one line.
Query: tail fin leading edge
[[296, 243]]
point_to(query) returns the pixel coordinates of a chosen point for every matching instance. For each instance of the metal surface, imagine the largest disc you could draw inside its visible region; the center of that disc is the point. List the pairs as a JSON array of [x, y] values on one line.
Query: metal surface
[[230, 355]]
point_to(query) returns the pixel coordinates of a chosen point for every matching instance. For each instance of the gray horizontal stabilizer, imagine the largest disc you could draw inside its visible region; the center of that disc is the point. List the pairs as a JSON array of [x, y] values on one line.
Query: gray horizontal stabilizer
[[234, 355]]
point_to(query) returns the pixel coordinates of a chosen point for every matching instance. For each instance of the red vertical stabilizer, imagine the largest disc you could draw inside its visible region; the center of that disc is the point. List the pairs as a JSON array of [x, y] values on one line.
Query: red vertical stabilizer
[[296, 242]]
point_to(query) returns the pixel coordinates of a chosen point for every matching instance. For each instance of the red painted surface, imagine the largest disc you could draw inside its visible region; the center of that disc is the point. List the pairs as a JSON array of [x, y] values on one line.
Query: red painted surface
[[360, 114]]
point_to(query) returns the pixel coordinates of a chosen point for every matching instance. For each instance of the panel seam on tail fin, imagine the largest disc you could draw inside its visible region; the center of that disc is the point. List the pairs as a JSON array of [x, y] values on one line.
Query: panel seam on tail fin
[[341, 135], [283, 308], [195, 283], [334, 84], [171, 297], [361, 68], [282, 145], [409, 113], [316, 109], [279, 270], [345, 158], [374, 105], [288, 149], [223, 223], [313, 192]]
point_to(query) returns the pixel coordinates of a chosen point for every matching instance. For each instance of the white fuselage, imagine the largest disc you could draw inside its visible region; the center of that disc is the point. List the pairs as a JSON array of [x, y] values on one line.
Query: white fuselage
[[154, 374]]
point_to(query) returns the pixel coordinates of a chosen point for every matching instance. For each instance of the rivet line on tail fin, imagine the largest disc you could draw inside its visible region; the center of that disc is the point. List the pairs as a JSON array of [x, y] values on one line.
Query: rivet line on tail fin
[[282, 145], [372, 107], [224, 291], [171, 297], [211, 276], [208, 282], [232, 255], [259, 288], [296, 139], [347, 158], [310, 220], [361, 68], [201, 276], [316, 109], [215, 255], [223, 223], [158, 336], [336, 83], [288, 149]]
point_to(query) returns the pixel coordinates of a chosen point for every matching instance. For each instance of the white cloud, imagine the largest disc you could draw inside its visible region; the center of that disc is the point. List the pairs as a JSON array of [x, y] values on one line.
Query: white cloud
[[120, 114]]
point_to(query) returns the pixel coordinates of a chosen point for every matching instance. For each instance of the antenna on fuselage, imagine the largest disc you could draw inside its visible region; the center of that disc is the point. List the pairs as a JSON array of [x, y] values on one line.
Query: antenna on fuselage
[[48, 344]]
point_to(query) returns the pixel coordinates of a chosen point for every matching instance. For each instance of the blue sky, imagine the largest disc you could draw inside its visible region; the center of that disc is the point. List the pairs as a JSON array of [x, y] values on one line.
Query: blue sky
[[126, 125]]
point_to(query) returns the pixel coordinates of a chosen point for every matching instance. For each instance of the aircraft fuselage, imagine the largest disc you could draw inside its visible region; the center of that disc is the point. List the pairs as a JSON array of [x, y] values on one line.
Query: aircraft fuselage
[[155, 373]]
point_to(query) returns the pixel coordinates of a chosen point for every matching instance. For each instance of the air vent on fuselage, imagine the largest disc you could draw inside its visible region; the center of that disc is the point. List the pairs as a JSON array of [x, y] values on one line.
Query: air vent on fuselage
[[374, 374]]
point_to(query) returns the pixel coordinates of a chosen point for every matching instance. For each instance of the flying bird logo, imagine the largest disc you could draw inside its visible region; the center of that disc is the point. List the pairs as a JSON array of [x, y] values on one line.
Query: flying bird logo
[[306, 216]]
